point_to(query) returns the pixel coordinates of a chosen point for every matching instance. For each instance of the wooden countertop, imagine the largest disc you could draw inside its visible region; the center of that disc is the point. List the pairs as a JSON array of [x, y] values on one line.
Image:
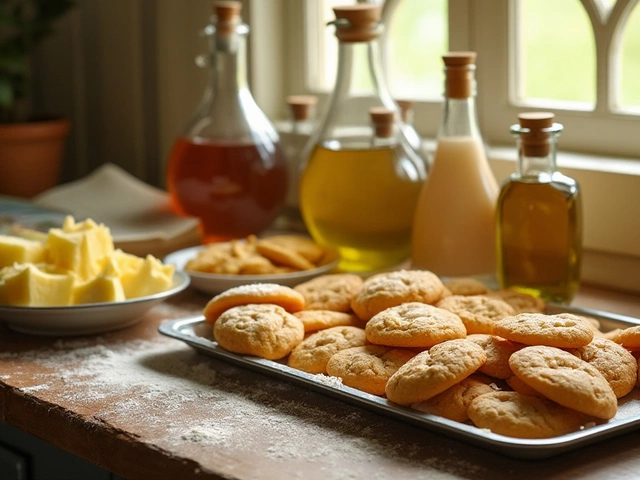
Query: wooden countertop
[[145, 406]]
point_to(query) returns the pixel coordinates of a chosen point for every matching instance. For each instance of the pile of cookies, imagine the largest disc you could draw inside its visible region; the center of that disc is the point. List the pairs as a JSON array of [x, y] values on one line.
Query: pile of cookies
[[490, 358], [264, 256]]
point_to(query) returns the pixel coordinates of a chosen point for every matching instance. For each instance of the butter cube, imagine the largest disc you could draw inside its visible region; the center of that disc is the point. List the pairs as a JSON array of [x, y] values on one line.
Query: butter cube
[[106, 287], [20, 250], [83, 248], [151, 277], [28, 285]]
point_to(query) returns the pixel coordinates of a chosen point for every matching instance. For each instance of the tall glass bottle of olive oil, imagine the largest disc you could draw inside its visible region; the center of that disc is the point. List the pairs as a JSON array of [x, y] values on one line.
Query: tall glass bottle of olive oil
[[539, 217], [362, 174]]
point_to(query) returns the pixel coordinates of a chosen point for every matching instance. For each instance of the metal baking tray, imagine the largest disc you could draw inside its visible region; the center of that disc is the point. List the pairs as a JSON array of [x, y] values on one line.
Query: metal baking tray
[[197, 333]]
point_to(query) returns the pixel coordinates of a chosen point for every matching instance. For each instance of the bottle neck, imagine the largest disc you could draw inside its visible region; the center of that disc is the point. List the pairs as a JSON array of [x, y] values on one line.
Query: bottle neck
[[228, 73], [534, 166], [460, 118]]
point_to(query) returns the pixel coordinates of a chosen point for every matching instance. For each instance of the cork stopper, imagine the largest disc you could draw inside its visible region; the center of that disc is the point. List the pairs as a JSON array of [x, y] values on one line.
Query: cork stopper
[[536, 142], [460, 74], [228, 16], [382, 119], [406, 107], [357, 23], [301, 106]]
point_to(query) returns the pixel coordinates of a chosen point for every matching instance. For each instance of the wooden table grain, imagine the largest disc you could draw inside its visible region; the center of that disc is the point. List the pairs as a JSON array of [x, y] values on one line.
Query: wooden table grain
[[145, 406]]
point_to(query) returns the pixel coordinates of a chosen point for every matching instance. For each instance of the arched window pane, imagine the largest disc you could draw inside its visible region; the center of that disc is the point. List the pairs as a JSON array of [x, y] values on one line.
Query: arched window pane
[[557, 59], [417, 36], [630, 61]]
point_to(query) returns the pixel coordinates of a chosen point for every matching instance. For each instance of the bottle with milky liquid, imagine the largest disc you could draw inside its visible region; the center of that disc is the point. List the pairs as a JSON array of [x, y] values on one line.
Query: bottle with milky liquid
[[228, 168], [539, 217], [362, 176], [454, 224]]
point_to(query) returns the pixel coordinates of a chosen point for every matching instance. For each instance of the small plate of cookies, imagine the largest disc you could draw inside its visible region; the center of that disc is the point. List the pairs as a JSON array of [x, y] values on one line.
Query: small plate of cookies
[[283, 259]]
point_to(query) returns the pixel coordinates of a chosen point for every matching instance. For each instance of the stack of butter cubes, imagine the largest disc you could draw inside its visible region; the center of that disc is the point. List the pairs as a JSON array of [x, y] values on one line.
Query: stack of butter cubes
[[75, 264]]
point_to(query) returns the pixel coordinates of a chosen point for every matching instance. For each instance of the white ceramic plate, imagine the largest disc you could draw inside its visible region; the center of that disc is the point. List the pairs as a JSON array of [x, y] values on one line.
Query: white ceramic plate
[[213, 284], [86, 319]]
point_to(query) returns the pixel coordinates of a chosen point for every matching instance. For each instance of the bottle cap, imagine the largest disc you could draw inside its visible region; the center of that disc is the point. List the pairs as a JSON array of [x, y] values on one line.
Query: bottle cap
[[301, 105], [536, 142], [382, 119], [227, 14], [459, 72], [357, 23], [405, 108]]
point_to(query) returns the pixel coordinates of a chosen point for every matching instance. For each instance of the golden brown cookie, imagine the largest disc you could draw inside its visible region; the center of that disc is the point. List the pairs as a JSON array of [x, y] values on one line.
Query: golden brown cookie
[[368, 368], [477, 312], [390, 289], [330, 292], [305, 247], [272, 293], [414, 325], [520, 301], [314, 352], [519, 386], [498, 352], [629, 338], [522, 416], [314, 320], [432, 372], [613, 361], [454, 401], [465, 286], [565, 379], [282, 255], [264, 330], [563, 330]]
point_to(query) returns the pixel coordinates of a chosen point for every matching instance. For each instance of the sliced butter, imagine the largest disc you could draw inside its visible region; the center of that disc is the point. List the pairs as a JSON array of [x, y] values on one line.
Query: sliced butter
[[106, 287], [151, 277], [28, 285]]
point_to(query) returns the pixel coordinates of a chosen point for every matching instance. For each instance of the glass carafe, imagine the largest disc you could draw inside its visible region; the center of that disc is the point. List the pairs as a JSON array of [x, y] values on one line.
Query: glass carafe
[[539, 217], [227, 168], [358, 193]]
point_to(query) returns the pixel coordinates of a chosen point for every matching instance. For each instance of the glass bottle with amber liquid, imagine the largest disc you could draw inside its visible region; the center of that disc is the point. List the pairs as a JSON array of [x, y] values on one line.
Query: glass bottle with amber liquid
[[361, 176], [539, 217], [228, 168]]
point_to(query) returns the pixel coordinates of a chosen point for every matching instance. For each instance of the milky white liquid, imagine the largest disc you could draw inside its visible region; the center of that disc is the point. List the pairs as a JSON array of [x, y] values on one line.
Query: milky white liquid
[[454, 224]]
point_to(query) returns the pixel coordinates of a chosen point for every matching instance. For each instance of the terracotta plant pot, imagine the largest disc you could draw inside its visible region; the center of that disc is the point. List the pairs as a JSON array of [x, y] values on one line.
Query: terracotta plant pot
[[31, 156]]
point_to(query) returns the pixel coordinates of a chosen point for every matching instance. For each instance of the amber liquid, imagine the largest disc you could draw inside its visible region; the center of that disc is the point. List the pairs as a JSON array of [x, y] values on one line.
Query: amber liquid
[[235, 189], [362, 202], [539, 237]]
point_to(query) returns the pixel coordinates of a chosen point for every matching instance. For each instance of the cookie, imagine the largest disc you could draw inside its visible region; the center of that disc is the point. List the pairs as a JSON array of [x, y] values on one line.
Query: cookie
[[272, 293], [519, 386], [563, 330], [368, 368], [520, 301], [613, 361], [263, 330], [465, 286], [305, 247], [522, 416], [282, 255], [390, 289], [314, 320], [565, 379], [313, 353], [454, 402], [498, 351], [478, 313], [629, 337], [434, 371], [330, 292], [414, 325]]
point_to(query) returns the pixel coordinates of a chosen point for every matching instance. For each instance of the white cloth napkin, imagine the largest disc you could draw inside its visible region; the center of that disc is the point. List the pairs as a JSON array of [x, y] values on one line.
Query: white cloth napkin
[[133, 210]]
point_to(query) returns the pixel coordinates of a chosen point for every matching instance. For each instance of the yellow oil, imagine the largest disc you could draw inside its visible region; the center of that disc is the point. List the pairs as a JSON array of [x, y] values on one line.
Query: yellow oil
[[539, 237], [361, 201]]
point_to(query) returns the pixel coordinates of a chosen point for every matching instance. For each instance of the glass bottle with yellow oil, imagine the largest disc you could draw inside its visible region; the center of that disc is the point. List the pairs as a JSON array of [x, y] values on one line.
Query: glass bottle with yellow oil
[[539, 217], [361, 177]]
